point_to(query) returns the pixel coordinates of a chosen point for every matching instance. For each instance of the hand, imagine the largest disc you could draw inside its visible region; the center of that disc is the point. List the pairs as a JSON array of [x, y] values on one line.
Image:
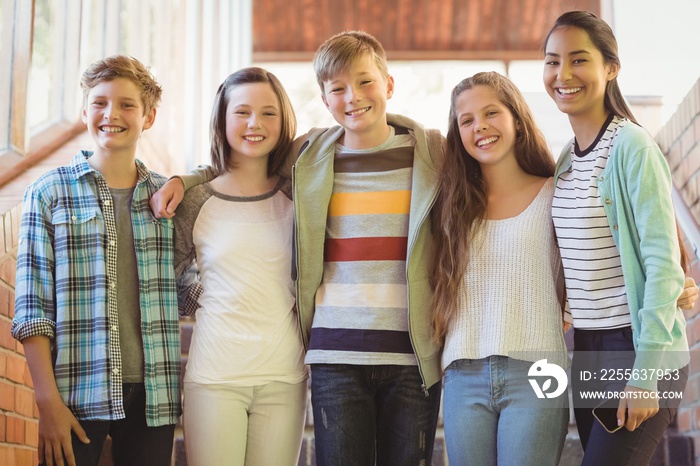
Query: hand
[[687, 299], [566, 326], [167, 198], [55, 425], [639, 408]]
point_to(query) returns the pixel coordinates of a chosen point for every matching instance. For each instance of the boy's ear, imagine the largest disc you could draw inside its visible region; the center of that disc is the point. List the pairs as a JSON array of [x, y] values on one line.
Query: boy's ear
[[83, 115], [325, 102], [150, 119], [389, 86]]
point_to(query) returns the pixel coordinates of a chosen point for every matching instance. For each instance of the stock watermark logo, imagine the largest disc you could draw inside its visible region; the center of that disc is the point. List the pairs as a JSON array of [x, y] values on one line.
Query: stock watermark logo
[[543, 372]]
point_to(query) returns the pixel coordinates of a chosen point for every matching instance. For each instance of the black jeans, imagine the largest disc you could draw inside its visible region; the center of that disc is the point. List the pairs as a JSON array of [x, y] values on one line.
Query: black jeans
[[595, 351], [133, 442]]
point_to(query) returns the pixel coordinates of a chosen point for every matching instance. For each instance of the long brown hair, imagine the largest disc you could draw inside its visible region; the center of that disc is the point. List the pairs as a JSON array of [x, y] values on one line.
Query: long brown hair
[[461, 199]]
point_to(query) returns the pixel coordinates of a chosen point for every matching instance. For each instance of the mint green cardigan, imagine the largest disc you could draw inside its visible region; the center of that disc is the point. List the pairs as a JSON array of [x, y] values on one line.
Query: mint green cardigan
[[635, 190]]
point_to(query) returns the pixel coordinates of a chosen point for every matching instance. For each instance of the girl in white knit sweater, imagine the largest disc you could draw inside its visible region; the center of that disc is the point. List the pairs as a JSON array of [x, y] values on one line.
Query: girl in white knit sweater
[[498, 303]]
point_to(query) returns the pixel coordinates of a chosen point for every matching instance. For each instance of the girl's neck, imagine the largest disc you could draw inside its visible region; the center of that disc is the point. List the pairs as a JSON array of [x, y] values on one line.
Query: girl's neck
[[245, 181], [509, 190], [502, 177], [586, 128]]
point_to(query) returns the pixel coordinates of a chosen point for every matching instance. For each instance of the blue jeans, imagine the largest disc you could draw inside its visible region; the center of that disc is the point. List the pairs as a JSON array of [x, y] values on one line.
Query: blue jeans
[[622, 447], [364, 414], [133, 442], [493, 417]]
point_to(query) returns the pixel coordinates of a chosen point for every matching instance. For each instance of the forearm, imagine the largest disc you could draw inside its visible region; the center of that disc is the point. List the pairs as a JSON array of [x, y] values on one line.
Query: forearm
[[56, 421], [201, 174], [37, 350]]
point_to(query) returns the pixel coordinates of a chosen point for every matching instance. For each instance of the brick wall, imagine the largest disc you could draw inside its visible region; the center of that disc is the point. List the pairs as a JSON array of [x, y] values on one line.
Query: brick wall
[[680, 141], [18, 412]]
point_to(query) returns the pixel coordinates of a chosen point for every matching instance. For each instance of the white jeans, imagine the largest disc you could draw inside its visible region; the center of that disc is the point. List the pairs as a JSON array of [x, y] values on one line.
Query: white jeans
[[237, 426]]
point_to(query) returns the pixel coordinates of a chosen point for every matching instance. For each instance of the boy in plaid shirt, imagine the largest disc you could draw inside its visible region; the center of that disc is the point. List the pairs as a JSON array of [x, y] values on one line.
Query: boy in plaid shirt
[[96, 303]]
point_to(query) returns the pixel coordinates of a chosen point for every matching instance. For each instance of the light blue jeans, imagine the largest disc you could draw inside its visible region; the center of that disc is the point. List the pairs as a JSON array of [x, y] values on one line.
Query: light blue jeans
[[493, 417]]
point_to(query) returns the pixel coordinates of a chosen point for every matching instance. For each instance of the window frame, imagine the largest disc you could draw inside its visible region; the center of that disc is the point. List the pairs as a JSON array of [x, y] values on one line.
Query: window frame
[[22, 148]]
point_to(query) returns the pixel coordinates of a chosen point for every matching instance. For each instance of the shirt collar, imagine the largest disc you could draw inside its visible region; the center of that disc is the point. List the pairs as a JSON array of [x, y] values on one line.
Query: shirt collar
[[80, 167]]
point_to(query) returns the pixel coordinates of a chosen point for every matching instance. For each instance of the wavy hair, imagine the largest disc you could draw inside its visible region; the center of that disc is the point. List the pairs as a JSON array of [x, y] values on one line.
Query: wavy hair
[[123, 66], [461, 199]]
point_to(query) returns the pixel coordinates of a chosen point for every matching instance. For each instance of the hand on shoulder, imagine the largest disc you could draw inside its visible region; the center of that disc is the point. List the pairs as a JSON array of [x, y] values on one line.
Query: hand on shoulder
[[164, 202]]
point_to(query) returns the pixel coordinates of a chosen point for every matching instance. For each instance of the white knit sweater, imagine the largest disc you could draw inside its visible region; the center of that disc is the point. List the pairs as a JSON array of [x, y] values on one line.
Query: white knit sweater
[[508, 301]]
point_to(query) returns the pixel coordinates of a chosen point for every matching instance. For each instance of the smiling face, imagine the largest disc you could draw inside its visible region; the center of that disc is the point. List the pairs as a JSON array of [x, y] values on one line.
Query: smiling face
[[486, 126], [253, 123], [115, 116], [576, 75], [357, 100]]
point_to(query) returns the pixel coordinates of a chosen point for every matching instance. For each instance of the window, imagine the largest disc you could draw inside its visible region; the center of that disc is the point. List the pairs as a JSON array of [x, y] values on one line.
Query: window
[[6, 14], [38, 98], [46, 44], [43, 82], [15, 27]]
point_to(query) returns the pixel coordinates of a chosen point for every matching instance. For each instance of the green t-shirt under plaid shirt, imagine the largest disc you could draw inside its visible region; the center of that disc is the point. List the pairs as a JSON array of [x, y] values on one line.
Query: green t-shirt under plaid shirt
[[66, 290]]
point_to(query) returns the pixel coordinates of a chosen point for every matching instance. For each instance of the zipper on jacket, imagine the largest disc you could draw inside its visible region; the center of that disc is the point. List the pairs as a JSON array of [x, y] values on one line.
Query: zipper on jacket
[[408, 294], [296, 258]]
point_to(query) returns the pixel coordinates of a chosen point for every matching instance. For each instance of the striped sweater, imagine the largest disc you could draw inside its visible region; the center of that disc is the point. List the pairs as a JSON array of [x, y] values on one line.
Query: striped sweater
[[361, 306]]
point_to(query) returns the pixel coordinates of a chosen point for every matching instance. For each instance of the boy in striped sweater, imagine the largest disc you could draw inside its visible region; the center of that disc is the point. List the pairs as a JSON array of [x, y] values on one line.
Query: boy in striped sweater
[[362, 194]]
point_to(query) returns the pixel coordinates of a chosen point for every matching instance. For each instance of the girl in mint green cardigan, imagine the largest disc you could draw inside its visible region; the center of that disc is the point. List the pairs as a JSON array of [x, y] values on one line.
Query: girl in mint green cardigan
[[616, 229]]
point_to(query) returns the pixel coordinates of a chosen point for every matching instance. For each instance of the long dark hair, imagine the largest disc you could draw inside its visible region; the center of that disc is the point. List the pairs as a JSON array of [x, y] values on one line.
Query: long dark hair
[[602, 37], [461, 201], [220, 149]]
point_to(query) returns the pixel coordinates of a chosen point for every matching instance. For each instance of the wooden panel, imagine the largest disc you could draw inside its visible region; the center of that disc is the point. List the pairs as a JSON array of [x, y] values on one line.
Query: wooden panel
[[290, 30]]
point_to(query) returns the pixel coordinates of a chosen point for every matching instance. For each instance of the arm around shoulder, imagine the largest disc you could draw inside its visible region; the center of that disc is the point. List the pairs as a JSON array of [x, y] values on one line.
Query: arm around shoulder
[[165, 201]]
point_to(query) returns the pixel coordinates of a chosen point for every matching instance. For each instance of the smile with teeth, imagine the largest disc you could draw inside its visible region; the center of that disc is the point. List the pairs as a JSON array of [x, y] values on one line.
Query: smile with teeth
[[111, 129], [359, 111], [253, 138], [486, 141], [569, 90]]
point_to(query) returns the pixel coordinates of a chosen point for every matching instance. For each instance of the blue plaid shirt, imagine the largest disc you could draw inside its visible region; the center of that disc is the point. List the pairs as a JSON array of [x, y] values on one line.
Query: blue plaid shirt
[[66, 290]]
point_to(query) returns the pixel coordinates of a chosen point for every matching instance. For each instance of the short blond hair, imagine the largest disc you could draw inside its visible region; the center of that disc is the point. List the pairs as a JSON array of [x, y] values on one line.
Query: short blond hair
[[122, 66], [337, 54]]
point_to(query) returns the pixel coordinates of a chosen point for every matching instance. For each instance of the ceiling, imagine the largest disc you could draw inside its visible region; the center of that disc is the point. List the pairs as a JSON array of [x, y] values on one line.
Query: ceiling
[[292, 30]]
